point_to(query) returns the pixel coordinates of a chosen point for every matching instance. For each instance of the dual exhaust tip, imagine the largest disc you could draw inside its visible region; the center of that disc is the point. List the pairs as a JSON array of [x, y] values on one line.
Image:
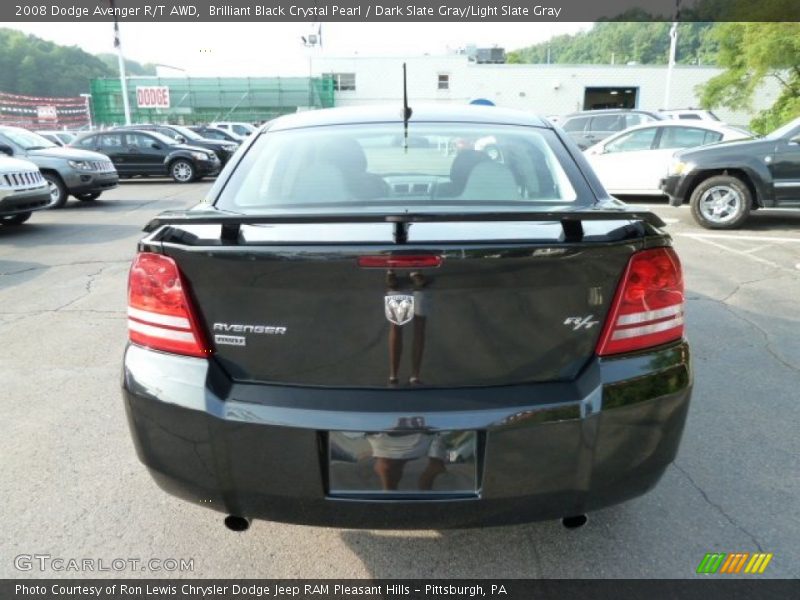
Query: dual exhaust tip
[[242, 524]]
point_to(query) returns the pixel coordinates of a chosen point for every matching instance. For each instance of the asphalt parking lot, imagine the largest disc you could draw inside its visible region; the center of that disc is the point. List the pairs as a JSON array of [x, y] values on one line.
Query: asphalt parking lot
[[72, 486]]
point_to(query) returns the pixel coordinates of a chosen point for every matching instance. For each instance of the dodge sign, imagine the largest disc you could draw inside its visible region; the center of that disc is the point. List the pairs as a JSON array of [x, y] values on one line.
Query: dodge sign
[[152, 96]]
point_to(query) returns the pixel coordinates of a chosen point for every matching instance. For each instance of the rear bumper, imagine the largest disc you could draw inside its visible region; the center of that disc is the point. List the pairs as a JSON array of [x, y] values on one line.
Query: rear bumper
[[546, 451], [15, 203]]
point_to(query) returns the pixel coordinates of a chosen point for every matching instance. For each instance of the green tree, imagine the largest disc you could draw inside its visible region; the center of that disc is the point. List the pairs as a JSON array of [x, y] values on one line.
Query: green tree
[[752, 53], [31, 65], [623, 42]]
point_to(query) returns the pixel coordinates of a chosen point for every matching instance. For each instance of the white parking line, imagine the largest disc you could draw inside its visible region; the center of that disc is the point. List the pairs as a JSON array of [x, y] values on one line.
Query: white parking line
[[763, 261], [746, 238], [758, 248]]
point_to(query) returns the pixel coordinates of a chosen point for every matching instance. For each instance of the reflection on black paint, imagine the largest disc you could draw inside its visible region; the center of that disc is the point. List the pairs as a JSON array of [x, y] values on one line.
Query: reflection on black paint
[[417, 283], [410, 458], [392, 451]]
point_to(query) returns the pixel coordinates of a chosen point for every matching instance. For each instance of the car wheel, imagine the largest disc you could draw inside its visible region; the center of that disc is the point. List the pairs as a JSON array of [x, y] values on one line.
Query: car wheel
[[58, 191], [88, 197], [182, 171], [15, 219], [721, 202]]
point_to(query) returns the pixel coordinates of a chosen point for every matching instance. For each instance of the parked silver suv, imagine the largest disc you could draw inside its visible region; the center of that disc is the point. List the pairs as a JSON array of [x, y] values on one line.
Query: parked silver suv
[[82, 173], [22, 191], [588, 127]]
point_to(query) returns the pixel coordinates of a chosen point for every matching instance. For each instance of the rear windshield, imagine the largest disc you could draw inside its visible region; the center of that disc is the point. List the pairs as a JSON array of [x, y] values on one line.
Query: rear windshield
[[377, 167]]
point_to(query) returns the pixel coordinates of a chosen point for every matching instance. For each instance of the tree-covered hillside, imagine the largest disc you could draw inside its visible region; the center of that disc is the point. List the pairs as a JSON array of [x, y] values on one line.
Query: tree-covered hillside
[[33, 66], [624, 42]]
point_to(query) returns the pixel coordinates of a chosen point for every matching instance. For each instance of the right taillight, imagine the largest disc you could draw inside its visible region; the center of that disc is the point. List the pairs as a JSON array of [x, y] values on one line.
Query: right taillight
[[160, 315], [648, 307]]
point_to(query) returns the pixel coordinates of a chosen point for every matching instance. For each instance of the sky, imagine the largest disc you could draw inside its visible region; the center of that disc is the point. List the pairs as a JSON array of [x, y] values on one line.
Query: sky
[[259, 49]]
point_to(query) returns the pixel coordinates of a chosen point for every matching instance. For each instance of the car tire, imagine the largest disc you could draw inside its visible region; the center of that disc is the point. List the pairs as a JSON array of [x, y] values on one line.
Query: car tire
[[88, 197], [182, 171], [15, 219], [58, 191], [721, 202]]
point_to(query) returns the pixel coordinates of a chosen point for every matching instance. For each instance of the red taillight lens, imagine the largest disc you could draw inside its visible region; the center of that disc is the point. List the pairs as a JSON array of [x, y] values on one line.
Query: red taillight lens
[[160, 315], [401, 261], [648, 308]]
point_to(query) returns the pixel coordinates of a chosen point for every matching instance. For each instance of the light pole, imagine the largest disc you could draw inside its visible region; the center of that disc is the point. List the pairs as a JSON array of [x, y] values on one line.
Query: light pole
[[312, 41], [184, 71], [121, 61], [673, 43]]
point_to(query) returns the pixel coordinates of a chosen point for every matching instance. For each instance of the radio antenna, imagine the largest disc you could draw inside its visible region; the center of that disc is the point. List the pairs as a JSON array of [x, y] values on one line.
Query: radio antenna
[[406, 111]]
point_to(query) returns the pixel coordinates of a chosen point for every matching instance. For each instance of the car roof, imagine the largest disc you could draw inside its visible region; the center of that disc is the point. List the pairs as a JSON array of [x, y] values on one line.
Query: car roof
[[708, 125], [699, 124], [393, 113], [611, 111], [113, 130]]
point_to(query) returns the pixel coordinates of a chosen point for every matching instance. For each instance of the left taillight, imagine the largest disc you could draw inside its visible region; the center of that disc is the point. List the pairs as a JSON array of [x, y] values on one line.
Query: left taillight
[[160, 314]]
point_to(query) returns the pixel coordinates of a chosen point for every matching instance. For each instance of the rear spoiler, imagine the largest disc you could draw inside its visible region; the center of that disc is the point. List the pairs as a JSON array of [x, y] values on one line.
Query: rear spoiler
[[571, 221]]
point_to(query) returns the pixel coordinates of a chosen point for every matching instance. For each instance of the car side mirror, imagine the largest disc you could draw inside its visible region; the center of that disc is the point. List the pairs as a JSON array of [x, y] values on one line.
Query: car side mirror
[[6, 149], [180, 139], [155, 146], [795, 140]]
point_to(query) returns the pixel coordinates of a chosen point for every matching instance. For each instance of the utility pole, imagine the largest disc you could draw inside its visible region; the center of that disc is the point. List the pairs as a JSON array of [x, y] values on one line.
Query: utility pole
[[313, 41], [673, 43], [121, 61]]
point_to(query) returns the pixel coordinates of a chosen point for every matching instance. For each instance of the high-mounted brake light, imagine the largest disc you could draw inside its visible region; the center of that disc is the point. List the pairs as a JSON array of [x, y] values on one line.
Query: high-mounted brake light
[[648, 308], [160, 315], [400, 261]]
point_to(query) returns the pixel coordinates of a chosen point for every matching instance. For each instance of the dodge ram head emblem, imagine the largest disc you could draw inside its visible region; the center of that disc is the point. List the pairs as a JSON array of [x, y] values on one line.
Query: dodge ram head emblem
[[399, 308]]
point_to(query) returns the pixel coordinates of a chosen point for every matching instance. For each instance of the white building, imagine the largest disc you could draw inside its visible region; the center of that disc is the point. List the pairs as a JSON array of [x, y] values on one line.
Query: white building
[[544, 89]]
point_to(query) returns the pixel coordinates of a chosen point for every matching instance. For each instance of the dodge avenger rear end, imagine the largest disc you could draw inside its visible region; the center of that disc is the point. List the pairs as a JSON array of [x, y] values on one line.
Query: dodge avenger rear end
[[367, 324]]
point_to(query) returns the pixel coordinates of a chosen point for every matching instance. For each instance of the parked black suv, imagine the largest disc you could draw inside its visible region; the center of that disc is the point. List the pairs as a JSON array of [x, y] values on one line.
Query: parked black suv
[[588, 127], [150, 153], [724, 182], [183, 135]]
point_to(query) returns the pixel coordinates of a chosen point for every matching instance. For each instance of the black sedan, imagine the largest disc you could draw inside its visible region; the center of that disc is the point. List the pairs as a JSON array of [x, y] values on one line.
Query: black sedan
[[183, 135], [351, 333], [215, 133], [150, 153]]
